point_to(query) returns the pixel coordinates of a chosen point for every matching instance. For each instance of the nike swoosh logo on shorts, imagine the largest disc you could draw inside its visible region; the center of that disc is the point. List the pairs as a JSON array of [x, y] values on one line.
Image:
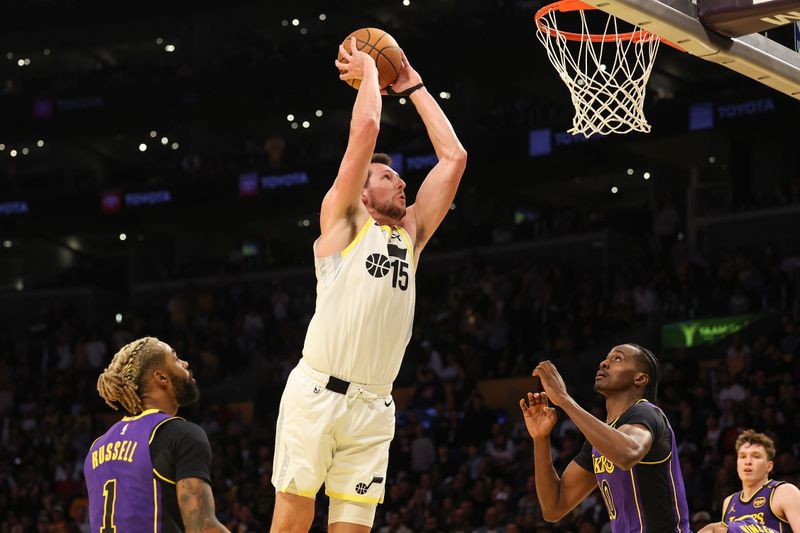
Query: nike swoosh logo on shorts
[[387, 404]]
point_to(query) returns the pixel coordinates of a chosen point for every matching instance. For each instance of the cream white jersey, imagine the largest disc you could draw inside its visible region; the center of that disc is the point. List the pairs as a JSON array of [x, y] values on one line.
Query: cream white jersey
[[365, 307]]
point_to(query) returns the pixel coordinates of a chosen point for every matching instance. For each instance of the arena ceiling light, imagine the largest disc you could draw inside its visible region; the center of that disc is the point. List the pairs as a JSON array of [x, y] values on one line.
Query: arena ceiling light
[[323, 16], [46, 51], [175, 146], [290, 117], [170, 48], [13, 153], [164, 141], [2, 147], [142, 147], [646, 175], [406, 3], [306, 124], [40, 143], [295, 22], [153, 134], [122, 236], [614, 190], [318, 113], [630, 172]]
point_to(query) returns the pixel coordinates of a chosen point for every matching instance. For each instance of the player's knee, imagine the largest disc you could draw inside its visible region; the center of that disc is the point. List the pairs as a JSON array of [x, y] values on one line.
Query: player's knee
[[289, 524], [351, 512], [292, 514]]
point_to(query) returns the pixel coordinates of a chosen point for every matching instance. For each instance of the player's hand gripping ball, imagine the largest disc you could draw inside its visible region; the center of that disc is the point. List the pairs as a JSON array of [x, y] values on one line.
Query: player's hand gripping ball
[[383, 49]]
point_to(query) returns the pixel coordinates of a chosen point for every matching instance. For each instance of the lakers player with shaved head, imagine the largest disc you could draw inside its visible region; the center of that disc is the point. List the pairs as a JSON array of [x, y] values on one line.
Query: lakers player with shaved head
[[631, 457], [336, 417], [763, 505]]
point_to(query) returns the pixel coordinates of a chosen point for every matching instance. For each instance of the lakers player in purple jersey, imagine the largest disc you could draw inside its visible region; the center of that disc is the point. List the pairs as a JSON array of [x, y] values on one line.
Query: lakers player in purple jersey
[[763, 505], [150, 472], [631, 457]]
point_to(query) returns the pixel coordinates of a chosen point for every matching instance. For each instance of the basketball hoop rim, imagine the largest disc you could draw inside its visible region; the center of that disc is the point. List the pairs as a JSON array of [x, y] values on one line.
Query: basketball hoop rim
[[565, 6]]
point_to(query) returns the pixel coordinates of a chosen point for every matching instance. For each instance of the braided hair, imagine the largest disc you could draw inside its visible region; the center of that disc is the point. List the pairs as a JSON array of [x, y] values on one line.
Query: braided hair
[[653, 370], [122, 381]]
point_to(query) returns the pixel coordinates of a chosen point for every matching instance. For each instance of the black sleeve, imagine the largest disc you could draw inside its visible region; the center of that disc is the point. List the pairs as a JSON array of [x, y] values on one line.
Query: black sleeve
[[584, 457], [655, 421], [180, 450]]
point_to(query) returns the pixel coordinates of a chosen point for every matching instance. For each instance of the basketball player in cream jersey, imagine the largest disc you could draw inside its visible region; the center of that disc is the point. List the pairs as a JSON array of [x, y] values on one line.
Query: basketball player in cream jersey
[[337, 415]]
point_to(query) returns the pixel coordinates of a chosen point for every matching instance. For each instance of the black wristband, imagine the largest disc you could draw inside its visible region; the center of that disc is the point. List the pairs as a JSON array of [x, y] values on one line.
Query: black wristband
[[407, 92]]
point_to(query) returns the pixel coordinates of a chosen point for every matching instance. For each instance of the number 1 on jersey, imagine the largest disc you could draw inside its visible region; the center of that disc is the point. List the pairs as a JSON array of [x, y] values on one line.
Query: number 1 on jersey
[[109, 499]]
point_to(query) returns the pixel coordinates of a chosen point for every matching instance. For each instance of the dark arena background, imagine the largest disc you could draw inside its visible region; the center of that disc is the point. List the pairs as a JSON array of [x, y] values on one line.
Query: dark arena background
[[162, 166]]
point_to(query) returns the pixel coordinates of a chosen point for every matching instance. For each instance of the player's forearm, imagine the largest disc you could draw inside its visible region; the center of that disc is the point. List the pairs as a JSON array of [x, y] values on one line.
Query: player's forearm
[[443, 137], [196, 503], [210, 528], [202, 521], [548, 484], [616, 446], [367, 107]]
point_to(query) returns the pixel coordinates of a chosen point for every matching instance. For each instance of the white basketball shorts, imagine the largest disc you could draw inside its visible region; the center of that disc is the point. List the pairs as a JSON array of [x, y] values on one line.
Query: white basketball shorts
[[341, 440]]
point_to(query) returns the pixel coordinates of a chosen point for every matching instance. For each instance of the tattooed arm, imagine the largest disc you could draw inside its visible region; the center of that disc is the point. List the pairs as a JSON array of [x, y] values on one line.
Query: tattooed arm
[[197, 507]]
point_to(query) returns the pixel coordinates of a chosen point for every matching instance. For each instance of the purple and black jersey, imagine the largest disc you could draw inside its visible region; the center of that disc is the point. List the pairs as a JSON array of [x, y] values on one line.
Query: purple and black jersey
[[124, 495], [650, 497], [755, 515]]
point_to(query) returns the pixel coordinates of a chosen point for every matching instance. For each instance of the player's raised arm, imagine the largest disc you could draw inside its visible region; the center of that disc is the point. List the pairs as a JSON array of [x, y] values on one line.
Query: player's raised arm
[[557, 496], [436, 193], [624, 446], [345, 194]]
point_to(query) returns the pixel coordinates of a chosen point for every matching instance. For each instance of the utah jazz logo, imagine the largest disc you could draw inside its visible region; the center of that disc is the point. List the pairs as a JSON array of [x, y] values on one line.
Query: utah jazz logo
[[378, 265], [362, 488]]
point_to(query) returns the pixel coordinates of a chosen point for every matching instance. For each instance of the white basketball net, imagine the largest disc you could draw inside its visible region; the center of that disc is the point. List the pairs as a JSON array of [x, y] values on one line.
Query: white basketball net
[[607, 80]]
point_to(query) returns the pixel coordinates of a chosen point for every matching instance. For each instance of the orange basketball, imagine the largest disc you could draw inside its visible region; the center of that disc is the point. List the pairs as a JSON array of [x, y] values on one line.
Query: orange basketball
[[383, 49]]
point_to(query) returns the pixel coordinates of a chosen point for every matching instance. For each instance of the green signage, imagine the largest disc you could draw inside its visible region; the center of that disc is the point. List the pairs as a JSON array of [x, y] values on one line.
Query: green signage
[[704, 331]]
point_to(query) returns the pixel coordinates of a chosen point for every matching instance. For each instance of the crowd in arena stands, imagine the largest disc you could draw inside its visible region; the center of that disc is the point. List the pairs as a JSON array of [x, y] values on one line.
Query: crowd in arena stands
[[455, 464]]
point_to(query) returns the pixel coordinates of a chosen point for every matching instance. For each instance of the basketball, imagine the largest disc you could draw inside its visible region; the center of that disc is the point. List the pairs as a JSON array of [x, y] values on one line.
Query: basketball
[[383, 49]]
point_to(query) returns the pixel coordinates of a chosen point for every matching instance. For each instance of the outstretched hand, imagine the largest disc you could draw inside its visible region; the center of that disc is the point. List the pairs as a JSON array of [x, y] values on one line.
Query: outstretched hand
[[552, 382], [354, 63], [406, 78], [539, 417]]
